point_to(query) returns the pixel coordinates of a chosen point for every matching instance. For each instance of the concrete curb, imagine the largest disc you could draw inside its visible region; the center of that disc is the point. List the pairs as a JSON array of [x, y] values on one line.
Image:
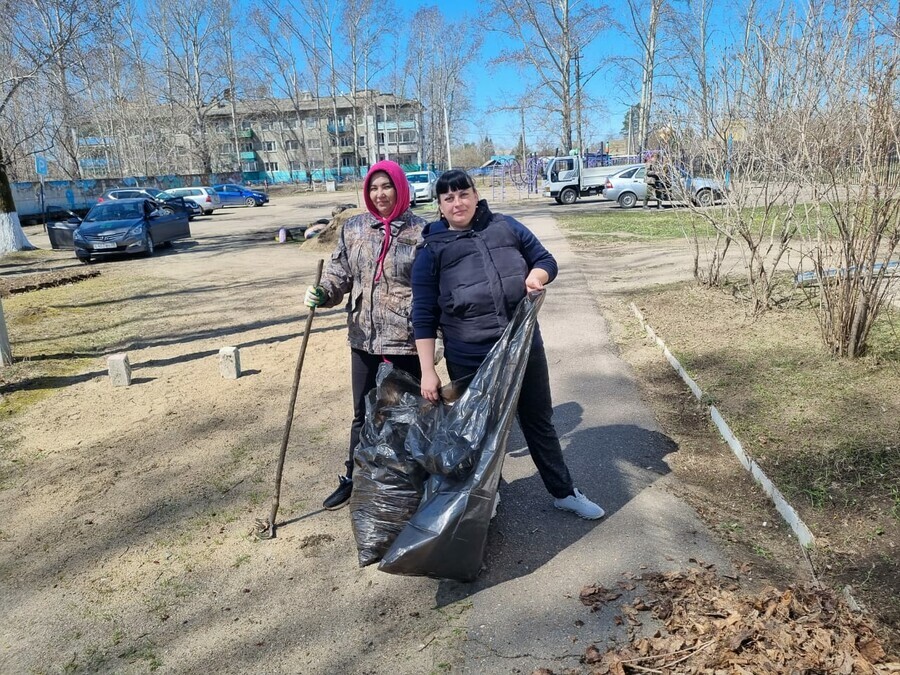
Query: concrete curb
[[790, 515]]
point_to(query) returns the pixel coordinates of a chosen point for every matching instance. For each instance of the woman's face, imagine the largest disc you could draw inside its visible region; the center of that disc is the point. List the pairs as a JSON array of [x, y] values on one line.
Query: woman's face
[[458, 206], [382, 194]]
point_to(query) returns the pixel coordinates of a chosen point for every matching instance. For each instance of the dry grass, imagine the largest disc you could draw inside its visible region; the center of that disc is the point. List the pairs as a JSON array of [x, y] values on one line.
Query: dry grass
[[825, 430]]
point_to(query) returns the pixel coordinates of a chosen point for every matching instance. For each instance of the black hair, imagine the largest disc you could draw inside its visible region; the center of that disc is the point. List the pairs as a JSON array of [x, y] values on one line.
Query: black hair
[[453, 180]]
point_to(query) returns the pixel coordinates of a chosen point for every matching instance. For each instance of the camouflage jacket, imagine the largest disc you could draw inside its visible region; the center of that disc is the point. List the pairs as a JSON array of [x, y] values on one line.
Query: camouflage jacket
[[378, 313]]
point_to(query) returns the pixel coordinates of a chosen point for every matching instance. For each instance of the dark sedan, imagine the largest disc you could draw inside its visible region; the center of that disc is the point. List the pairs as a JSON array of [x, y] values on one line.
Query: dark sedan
[[236, 195], [127, 226]]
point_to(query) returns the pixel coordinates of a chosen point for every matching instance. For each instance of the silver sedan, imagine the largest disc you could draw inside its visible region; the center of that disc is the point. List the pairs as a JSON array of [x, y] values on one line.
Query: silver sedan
[[627, 186]]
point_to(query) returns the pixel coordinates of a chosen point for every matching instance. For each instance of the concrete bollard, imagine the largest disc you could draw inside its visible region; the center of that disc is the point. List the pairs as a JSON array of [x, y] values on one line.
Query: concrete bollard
[[230, 363], [119, 370]]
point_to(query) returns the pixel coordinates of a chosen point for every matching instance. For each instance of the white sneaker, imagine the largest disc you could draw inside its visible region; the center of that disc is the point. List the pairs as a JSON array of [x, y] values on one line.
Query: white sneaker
[[496, 504], [580, 505]]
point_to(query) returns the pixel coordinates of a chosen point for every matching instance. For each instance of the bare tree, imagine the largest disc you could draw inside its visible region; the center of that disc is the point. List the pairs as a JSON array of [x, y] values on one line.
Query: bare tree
[[852, 246], [803, 121], [360, 33], [440, 51], [276, 43], [25, 57], [645, 32], [550, 35], [692, 30], [189, 32]]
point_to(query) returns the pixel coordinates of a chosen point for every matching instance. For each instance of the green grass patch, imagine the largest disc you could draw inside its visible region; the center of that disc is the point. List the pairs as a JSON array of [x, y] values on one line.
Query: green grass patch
[[637, 224], [606, 225], [824, 429], [58, 333]]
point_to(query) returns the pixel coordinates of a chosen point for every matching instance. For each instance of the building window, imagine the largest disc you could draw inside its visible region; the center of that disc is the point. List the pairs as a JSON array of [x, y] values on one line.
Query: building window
[[346, 141], [313, 143], [292, 145], [246, 147], [226, 148], [393, 136], [310, 122], [248, 166], [246, 124], [271, 166], [361, 140], [270, 146], [289, 123], [346, 161], [266, 125]]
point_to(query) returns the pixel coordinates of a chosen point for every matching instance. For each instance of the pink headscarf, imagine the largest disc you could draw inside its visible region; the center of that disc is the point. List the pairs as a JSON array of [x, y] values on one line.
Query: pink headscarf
[[401, 189]]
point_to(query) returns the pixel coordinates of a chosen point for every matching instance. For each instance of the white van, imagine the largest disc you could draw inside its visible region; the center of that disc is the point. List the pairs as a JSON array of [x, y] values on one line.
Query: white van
[[207, 198]]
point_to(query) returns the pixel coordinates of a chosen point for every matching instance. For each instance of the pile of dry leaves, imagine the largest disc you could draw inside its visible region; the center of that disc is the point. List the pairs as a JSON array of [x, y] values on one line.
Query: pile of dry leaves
[[712, 627]]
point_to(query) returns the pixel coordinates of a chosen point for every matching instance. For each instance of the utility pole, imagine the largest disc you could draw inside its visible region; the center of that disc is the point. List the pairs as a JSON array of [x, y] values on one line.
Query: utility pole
[[578, 103]]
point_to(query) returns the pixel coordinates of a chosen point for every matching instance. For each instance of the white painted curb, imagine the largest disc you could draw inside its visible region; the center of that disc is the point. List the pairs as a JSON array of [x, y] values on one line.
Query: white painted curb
[[790, 515]]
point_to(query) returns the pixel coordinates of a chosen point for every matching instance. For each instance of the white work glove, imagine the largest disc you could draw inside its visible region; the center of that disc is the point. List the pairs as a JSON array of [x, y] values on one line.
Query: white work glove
[[315, 297]]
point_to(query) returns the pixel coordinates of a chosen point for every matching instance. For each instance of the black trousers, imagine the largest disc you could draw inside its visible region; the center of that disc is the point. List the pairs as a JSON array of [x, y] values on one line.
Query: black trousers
[[363, 369], [535, 415]]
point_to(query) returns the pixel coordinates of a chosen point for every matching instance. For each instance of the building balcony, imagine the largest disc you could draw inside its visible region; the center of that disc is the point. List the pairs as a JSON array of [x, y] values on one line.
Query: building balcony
[[392, 147], [338, 128], [248, 156], [392, 126], [245, 133]]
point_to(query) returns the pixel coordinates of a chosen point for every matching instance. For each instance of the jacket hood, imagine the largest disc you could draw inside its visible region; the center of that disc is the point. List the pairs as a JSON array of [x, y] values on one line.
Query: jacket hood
[[401, 188]]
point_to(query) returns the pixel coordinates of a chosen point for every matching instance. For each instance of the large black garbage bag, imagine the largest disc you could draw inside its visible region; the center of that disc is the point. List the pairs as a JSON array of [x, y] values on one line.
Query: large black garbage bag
[[387, 481], [464, 451]]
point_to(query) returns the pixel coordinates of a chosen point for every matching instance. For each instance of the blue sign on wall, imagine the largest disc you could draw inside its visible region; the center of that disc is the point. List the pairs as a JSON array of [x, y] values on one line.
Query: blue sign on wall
[[40, 165]]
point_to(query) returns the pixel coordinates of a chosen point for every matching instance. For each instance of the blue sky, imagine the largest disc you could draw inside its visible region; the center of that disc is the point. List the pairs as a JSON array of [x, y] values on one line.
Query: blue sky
[[494, 87]]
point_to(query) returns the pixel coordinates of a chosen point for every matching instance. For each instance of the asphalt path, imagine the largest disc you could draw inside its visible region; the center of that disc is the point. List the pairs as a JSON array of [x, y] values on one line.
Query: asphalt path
[[525, 607]]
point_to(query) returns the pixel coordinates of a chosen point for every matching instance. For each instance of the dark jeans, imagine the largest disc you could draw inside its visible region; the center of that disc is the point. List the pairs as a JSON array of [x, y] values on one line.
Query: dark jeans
[[363, 369], [535, 415]]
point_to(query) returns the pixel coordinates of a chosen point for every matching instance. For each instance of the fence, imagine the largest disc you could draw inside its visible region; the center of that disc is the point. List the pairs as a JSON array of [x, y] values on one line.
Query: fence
[[80, 195]]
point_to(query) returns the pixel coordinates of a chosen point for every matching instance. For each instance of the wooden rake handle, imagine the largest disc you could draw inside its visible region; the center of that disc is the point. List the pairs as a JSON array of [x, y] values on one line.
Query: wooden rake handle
[[266, 530]]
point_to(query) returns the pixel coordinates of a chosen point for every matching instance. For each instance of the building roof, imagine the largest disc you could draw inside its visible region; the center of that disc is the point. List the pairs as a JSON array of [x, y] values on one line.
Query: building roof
[[277, 106]]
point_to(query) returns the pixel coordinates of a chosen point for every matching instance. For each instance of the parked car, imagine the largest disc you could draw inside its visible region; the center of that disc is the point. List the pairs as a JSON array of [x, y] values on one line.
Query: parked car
[[194, 208], [205, 197], [422, 183], [628, 187], [173, 202], [127, 226], [236, 195]]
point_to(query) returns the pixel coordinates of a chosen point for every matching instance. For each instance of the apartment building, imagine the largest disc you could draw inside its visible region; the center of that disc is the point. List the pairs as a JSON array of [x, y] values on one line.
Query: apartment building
[[277, 139], [287, 139]]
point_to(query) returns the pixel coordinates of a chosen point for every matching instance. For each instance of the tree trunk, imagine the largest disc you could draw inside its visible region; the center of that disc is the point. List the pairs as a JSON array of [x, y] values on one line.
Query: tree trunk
[[647, 76], [5, 349], [12, 237]]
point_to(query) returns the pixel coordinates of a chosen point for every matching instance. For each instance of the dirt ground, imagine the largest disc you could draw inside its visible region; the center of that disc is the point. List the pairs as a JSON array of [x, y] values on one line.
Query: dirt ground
[[126, 543]]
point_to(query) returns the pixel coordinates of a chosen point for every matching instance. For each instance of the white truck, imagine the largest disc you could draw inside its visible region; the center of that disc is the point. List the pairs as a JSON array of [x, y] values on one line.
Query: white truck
[[566, 179]]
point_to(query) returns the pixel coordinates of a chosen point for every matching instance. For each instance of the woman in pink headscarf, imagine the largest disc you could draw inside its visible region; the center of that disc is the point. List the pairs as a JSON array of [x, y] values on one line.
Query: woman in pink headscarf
[[371, 267]]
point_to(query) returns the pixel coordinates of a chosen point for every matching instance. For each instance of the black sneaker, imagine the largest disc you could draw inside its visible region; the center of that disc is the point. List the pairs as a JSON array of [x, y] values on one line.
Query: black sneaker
[[340, 496]]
